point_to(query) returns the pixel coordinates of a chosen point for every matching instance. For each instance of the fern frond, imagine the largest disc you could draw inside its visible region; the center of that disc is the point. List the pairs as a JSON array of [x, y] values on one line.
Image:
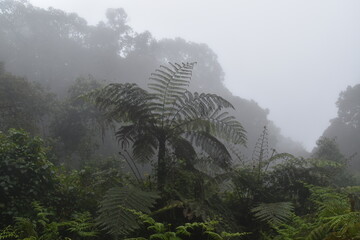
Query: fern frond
[[207, 166], [319, 233], [329, 203], [204, 112], [25, 227], [42, 213], [169, 83], [227, 235], [144, 147], [213, 235], [122, 102], [212, 146], [273, 213], [183, 149], [8, 233], [190, 104], [82, 225], [113, 216], [126, 134], [171, 205]]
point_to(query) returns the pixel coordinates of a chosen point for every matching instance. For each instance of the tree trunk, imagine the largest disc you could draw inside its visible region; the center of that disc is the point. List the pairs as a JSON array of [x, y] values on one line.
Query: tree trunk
[[161, 168]]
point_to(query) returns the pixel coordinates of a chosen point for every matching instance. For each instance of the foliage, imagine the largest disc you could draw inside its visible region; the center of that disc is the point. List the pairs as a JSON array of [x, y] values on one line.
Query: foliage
[[44, 227], [23, 104], [25, 173], [81, 190], [274, 186], [334, 218], [74, 125], [345, 127], [190, 134], [170, 118], [273, 213], [348, 106], [8, 233], [188, 231], [82, 225], [113, 216], [332, 163]]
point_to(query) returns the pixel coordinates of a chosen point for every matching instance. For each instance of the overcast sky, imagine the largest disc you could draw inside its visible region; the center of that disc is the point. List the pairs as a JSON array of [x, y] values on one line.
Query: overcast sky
[[291, 56]]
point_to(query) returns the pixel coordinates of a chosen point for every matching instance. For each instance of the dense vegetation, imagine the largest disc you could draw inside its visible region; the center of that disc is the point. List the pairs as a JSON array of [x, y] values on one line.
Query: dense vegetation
[[84, 159], [178, 175]]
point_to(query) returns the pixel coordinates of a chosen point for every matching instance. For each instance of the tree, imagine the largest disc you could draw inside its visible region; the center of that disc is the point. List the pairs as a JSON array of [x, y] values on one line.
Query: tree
[[170, 120], [26, 174], [23, 104], [74, 124], [349, 106], [346, 126]]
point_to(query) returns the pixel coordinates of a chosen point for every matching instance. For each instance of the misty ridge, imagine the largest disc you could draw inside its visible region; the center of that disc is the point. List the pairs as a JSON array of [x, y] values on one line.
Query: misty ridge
[[107, 133]]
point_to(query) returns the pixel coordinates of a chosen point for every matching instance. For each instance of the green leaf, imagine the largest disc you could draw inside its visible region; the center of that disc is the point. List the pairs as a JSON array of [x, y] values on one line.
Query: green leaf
[[113, 214]]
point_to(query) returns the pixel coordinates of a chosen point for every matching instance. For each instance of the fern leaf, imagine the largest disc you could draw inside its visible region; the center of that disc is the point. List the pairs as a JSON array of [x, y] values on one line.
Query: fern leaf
[[273, 213], [212, 146], [8, 233], [82, 225], [113, 216]]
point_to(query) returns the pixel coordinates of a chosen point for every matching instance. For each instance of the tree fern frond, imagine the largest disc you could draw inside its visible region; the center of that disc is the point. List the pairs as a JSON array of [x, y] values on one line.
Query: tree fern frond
[[126, 134], [170, 84], [273, 213], [212, 146], [113, 216], [194, 111], [209, 168], [319, 233], [144, 147], [122, 102], [173, 204], [183, 149], [231, 131], [200, 103]]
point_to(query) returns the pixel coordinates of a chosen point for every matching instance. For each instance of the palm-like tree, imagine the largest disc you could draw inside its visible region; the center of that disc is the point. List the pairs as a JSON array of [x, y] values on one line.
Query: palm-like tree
[[170, 119]]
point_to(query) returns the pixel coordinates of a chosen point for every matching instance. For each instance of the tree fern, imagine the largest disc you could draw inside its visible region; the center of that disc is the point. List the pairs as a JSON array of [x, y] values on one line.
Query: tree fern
[[169, 117]]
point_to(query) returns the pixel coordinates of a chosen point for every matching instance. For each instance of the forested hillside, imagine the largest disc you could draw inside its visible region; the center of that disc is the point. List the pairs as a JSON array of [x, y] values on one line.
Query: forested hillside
[[54, 48]]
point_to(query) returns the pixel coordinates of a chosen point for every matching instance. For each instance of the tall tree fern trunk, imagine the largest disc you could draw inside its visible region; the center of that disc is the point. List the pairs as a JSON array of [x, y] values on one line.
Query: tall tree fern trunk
[[161, 168]]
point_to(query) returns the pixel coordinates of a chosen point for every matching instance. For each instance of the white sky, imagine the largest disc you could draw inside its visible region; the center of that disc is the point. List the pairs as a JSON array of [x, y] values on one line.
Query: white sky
[[291, 56]]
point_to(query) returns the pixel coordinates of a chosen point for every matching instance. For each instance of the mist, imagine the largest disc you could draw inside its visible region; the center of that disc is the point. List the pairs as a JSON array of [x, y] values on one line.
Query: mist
[[179, 120], [281, 54]]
